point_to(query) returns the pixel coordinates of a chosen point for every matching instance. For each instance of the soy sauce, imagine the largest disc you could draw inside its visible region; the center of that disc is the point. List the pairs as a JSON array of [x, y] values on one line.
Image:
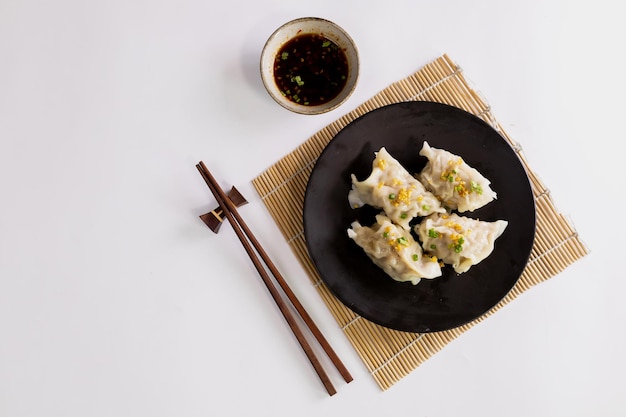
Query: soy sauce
[[310, 69]]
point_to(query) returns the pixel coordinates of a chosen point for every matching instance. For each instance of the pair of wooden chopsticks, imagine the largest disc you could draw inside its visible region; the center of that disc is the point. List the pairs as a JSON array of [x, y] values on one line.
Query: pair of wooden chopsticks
[[249, 241]]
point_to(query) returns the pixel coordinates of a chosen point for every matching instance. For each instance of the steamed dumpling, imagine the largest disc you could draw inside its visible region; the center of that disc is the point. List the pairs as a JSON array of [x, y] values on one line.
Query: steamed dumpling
[[458, 186], [394, 250], [393, 189], [459, 241]]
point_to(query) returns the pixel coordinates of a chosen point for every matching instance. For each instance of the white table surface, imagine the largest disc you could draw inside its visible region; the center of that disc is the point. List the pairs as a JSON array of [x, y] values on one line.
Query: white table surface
[[115, 300]]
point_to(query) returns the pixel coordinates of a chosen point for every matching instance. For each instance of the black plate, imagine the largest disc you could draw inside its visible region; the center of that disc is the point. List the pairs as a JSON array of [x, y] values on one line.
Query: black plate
[[432, 305]]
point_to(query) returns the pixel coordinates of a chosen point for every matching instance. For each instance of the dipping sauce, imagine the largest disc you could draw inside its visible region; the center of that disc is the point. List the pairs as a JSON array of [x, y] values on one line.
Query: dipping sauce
[[310, 69]]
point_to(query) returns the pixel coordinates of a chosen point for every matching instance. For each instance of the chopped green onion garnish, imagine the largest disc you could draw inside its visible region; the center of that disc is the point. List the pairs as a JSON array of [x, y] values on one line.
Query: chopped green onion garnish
[[326, 44], [415, 257], [298, 80], [404, 216], [433, 233], [402, 241], [392, 196], [475, 187]]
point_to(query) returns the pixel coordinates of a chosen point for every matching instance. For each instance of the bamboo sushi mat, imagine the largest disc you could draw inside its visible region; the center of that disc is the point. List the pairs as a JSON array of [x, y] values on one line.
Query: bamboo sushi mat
[[390, 355]]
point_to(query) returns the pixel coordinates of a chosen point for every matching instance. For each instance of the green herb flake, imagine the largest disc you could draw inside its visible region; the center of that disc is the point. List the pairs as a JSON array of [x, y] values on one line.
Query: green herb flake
[[284, 55], [392, 196], [404, 215], [433, 246], [433, 233], [415, 257], [402, 241], [326, 44], [298, 80], [425, 207], [475, 187]]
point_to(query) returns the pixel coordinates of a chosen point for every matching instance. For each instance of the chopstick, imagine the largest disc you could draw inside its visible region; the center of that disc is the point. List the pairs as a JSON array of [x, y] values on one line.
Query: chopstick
[[249, 241]]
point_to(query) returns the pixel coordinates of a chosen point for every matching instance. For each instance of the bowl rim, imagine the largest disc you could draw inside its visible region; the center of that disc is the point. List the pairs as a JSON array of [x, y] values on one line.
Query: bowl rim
[[270, 84]]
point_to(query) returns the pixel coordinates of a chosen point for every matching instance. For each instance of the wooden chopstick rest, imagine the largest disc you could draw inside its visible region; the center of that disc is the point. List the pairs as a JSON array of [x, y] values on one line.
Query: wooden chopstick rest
[[214, 218]]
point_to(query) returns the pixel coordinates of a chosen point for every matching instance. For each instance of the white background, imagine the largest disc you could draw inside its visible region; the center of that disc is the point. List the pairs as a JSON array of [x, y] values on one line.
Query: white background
[[115, 300]]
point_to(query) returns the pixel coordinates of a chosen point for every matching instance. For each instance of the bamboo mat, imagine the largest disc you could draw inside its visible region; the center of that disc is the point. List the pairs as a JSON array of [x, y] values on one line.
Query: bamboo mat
[[390, 355]]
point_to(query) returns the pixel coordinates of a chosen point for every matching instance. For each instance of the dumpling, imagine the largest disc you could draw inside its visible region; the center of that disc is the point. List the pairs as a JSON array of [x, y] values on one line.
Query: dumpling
[[394, 250], [458, 186], [459, 241], [393, 189]]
